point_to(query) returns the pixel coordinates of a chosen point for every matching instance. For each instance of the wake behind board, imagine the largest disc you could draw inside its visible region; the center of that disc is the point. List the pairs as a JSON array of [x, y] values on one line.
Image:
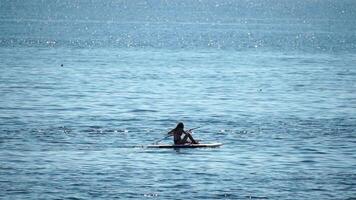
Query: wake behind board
[[211, 145]]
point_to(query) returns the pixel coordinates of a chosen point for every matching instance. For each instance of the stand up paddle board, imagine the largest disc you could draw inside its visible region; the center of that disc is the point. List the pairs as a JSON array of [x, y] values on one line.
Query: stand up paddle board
[[211, 145]]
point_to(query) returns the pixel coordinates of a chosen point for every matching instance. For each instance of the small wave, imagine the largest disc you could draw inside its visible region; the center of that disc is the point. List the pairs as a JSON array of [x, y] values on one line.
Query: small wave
[[142, 110]]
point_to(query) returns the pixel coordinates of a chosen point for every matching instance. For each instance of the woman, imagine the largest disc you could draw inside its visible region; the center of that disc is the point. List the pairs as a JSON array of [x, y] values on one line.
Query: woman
[[177, 133]]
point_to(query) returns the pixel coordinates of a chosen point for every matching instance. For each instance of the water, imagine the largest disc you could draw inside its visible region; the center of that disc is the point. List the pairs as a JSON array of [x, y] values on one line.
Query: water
[[84, 84]]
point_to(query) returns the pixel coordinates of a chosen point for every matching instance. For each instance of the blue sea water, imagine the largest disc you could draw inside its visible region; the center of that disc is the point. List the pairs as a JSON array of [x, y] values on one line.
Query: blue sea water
[[85, 85]]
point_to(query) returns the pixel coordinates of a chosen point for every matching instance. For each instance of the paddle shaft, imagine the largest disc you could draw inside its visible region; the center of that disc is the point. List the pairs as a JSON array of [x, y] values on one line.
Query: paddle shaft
[[194, 128]]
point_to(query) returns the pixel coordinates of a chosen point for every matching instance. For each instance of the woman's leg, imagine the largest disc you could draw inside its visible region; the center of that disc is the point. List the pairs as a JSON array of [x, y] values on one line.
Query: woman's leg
[[186, 136]]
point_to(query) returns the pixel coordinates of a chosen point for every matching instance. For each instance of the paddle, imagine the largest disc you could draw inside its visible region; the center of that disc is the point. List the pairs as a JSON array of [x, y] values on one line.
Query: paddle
[[190, 130], [161, 139]]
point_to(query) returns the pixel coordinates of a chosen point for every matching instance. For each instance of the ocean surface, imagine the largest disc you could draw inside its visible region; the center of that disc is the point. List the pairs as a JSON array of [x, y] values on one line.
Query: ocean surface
[[86, 85]]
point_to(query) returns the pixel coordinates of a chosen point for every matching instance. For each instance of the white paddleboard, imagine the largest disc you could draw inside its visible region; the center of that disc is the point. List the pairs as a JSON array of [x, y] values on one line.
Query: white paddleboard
[[211, 145]]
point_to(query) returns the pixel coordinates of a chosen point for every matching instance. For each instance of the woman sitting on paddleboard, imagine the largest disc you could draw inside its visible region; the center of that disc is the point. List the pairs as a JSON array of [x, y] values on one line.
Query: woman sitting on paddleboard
[[177, 133]]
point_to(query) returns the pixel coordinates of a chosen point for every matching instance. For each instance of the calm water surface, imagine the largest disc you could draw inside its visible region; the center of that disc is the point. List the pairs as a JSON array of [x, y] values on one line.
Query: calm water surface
[[81, 95]]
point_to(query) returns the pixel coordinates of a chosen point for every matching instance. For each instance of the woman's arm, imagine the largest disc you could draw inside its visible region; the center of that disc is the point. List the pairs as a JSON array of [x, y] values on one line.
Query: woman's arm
[[170, 132]]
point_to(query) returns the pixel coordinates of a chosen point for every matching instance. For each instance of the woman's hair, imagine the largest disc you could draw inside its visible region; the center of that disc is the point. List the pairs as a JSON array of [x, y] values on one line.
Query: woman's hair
[[180, 125]]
